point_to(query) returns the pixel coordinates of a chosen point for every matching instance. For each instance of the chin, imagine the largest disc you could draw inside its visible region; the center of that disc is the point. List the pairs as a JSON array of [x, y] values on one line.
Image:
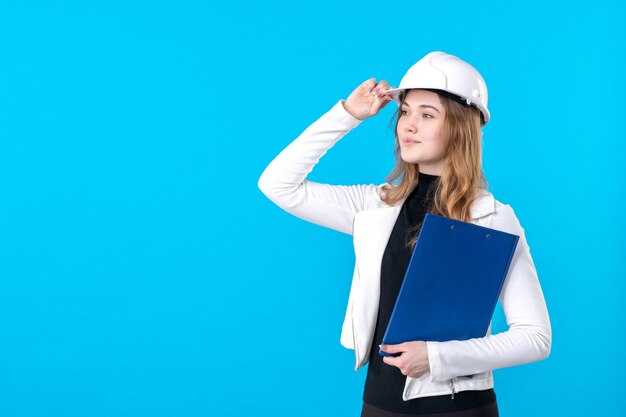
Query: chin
[[409, 160]]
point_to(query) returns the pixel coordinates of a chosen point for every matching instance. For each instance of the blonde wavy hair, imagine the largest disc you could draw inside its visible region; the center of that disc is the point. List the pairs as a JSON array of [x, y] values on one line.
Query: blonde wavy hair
[[462, 178]]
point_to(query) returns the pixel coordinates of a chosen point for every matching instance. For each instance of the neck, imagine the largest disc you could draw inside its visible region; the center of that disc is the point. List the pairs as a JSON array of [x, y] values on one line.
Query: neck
[[435, 172]]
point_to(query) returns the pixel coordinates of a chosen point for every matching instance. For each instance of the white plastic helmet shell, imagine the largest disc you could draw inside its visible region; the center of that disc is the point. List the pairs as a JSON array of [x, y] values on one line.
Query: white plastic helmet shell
[[442, 71]]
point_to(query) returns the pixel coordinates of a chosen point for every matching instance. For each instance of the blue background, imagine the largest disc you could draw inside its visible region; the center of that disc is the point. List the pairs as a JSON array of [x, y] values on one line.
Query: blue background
[[142, 271]]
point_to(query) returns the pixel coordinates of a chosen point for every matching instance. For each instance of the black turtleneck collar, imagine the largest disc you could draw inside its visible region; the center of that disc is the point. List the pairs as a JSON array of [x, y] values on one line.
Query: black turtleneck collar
[[425, 186]]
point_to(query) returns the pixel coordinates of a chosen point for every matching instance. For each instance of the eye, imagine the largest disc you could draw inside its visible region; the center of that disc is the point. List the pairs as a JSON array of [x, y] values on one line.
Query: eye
[[402, 112]]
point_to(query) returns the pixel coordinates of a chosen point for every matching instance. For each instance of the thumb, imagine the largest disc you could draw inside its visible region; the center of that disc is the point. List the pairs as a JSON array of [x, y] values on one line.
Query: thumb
[[393, 348]]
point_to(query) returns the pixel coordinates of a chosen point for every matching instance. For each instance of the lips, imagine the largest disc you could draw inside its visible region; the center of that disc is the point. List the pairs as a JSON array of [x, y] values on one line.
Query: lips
[[409, 141]]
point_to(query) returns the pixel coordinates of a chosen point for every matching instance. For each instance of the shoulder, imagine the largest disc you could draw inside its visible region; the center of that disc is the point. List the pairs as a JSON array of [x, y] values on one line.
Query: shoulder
[[505, 219], [382, 190]]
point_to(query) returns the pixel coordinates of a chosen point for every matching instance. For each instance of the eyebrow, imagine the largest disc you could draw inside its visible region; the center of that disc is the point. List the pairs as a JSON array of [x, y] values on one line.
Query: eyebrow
[[424, 106]]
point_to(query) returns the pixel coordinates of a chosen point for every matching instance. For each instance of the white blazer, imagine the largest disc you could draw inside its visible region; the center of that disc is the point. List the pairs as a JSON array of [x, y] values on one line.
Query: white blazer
[[359, 211]]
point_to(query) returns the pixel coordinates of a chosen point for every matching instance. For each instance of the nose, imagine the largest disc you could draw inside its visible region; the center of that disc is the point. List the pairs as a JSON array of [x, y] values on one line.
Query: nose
[[410, 126]]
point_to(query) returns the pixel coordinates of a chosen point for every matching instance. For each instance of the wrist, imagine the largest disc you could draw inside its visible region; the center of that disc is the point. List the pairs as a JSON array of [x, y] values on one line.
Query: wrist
[[349, 111]]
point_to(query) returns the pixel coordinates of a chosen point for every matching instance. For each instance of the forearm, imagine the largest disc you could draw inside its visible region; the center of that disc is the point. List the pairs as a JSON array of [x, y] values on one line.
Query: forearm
[[516, 346], [284, 180], [291, 167]]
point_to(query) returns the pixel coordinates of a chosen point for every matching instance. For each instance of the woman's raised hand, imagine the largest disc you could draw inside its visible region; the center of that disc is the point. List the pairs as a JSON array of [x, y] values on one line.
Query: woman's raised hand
[[367, 99]]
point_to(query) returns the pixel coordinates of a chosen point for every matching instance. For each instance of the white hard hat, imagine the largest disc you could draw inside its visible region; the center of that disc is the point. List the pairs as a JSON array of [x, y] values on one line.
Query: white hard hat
[[446, 73]]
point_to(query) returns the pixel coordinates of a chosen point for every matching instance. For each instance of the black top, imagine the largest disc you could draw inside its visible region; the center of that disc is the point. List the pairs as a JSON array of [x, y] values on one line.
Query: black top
[[384, 384]]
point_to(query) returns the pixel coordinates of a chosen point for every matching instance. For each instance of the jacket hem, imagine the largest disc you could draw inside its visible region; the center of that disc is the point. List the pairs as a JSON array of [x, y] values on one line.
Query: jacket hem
[[475, 386]]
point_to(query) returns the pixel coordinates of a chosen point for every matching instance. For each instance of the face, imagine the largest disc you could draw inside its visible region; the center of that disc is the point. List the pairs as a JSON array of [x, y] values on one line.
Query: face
[[420, 124]]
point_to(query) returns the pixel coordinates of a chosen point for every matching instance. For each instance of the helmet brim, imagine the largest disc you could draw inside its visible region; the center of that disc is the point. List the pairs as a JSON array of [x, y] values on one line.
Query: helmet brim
[[395, 94]]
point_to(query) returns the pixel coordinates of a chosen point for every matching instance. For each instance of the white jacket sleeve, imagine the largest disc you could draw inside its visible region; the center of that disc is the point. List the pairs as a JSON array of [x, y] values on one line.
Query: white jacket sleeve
[[529, 336], [284, 180]]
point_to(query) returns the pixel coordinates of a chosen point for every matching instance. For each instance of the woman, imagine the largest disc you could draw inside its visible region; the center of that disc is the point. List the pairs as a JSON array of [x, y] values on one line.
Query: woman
[[442, 105]]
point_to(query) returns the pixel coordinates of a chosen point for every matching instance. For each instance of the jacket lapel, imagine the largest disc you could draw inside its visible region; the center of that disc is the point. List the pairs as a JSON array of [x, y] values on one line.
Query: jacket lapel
[[371, 231]]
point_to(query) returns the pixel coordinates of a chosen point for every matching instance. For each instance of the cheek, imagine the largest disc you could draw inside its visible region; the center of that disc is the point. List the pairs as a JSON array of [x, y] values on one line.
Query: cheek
[[436, 136], [441, 148]]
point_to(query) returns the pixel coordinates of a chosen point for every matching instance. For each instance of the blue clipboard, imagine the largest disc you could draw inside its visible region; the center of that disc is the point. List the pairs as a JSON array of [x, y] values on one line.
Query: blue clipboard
[[452, 283]]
